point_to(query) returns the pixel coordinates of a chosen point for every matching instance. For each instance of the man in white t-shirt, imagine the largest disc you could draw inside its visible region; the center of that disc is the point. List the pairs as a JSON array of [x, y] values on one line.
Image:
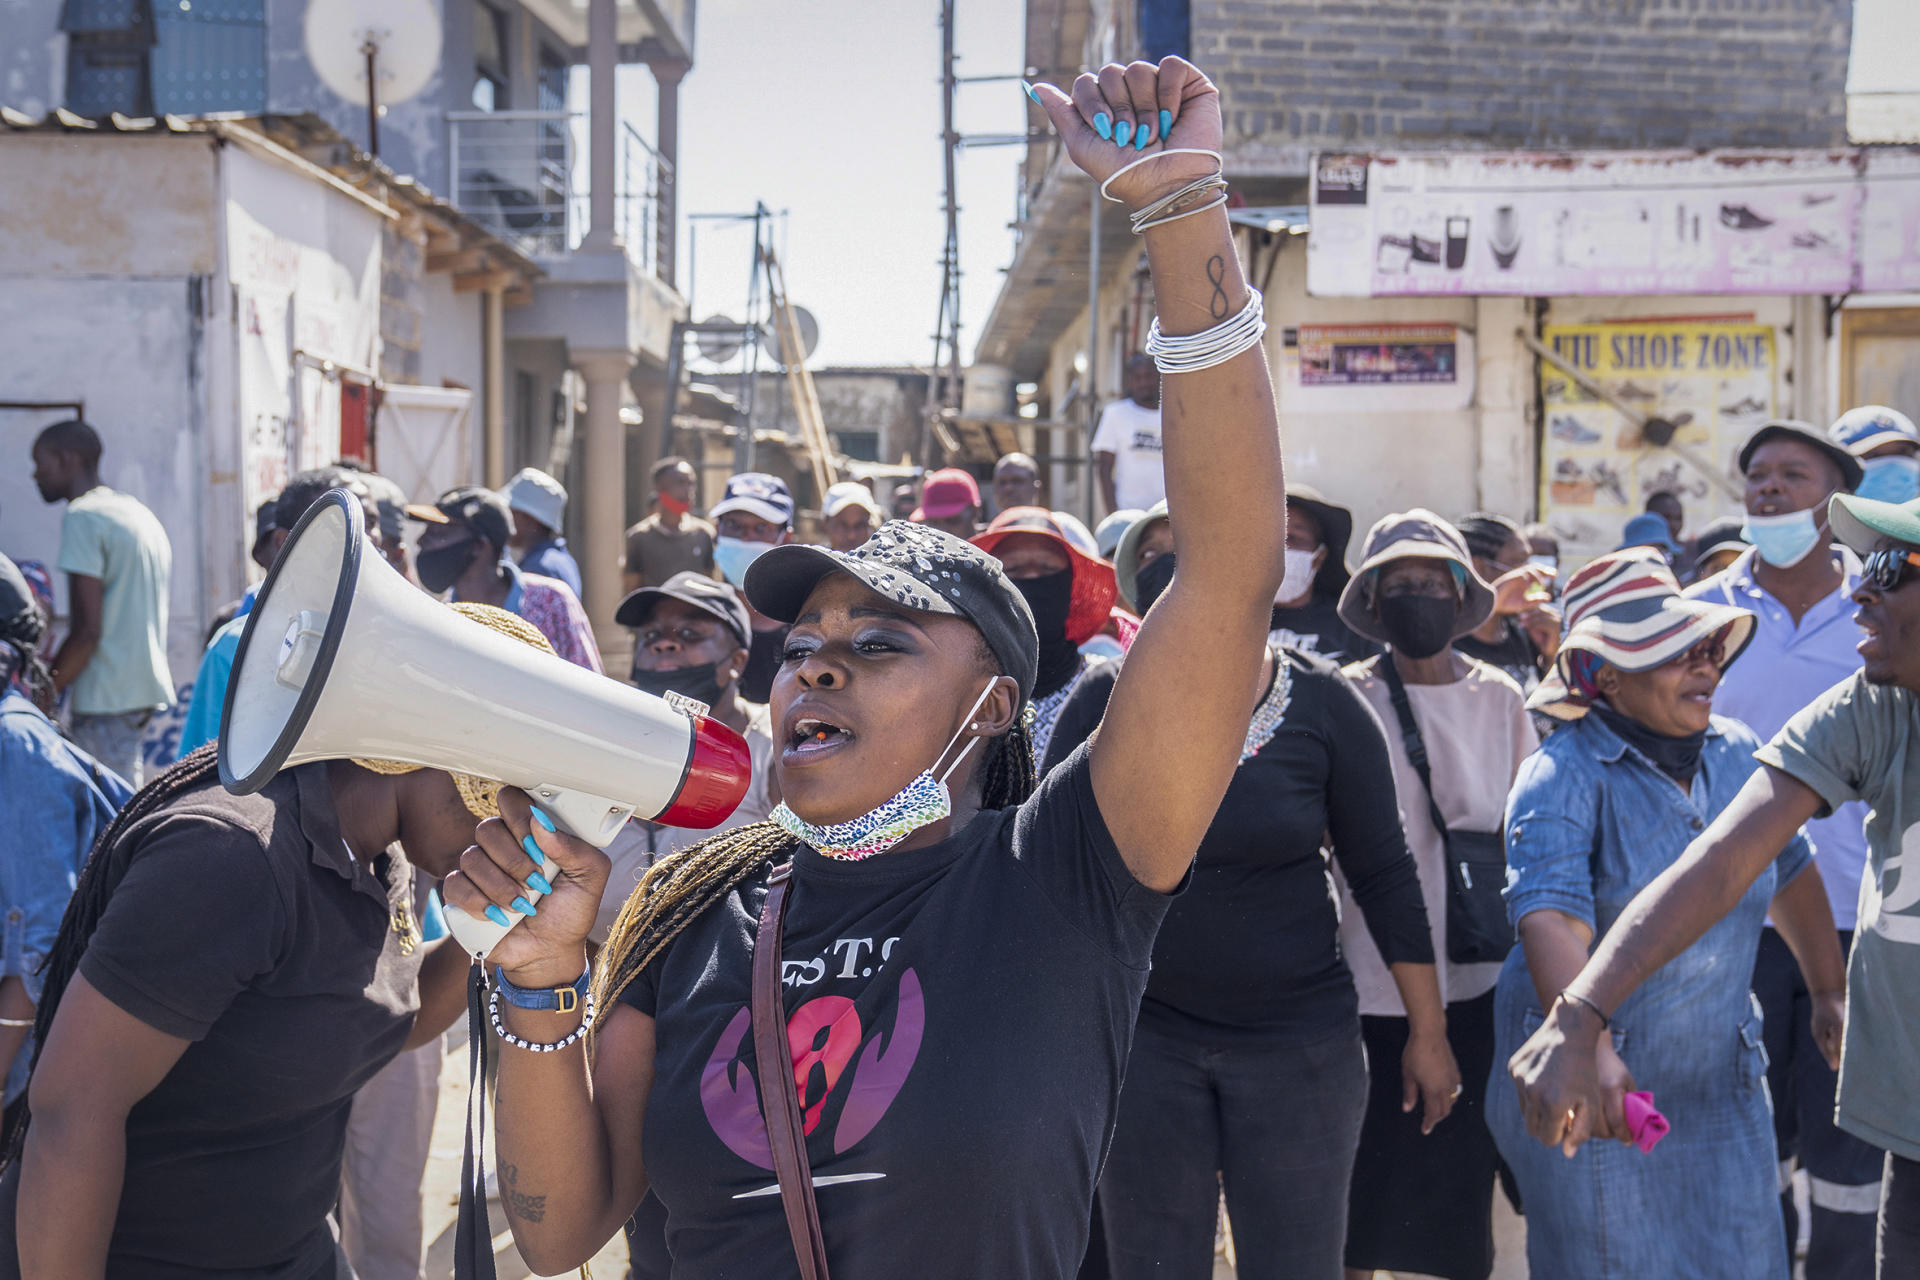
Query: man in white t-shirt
[[1126, 444]]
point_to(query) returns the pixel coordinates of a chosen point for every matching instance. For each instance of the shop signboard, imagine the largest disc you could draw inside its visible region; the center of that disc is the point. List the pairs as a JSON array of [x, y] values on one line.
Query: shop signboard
[[1615, 223], [1713, 379]]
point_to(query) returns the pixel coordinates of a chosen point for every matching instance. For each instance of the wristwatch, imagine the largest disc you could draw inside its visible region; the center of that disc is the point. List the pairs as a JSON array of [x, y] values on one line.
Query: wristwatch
[[550, 999]]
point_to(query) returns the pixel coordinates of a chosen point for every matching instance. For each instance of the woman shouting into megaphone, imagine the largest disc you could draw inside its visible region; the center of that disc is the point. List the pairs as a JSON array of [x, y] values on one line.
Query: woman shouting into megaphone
[[949, 959]]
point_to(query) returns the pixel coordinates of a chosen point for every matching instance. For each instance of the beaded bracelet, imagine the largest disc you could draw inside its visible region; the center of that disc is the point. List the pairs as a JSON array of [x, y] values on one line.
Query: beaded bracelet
[[534, 1046], [1192, 352]]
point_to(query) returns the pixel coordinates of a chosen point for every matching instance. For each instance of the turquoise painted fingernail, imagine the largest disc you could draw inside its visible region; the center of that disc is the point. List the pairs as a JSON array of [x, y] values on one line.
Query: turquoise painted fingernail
[[1166, 124], [1103, 126], [533, 851], [543, 819], [539, 883], [525, 908], [498, 916], [1141, 139], [1031, 92], [1123, 133]]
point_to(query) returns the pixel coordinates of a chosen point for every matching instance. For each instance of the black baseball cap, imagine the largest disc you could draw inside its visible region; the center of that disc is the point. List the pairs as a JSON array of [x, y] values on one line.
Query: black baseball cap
[[716, 598], [481, 510], [919, 568], [1811, 436]]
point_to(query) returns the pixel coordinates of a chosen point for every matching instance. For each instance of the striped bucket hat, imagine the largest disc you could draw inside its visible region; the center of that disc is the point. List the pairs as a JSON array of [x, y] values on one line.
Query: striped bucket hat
[[1625, 610]]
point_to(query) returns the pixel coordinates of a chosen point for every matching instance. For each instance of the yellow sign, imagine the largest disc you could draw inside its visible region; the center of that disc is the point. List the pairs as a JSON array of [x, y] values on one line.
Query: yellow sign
[[1714, 381]]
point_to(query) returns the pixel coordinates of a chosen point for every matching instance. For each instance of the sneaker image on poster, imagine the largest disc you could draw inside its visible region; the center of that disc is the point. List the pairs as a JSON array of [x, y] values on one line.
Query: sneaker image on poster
[[1505, 237], [1570, 430], [1745, 408], [1740, 217]]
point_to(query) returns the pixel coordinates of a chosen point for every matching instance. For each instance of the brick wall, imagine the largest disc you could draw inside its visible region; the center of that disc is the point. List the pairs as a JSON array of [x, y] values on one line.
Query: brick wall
[[1303, 74]]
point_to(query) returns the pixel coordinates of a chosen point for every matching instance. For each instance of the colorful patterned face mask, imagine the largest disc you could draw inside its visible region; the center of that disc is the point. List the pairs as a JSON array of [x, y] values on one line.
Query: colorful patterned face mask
[[920, 803]]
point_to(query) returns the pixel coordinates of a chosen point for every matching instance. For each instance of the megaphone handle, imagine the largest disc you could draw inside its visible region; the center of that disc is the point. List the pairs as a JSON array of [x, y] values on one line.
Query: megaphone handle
[[594, 819]]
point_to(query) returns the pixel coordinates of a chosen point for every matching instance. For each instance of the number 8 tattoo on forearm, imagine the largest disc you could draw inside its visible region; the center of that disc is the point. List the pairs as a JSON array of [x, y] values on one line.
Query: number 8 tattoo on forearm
[[1217, 272]]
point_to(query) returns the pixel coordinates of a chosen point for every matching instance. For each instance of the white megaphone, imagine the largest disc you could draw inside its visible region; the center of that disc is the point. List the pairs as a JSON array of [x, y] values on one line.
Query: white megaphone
[[342, 657]]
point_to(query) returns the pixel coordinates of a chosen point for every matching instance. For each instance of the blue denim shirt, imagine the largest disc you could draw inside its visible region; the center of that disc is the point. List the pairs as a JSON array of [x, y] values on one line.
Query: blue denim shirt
[[54, 804], [1590, 823]]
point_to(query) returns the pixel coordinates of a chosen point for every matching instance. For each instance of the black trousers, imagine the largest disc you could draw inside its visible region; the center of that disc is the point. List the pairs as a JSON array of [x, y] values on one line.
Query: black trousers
[[1274, 1125], [1843, 1170], [1898, 1247]]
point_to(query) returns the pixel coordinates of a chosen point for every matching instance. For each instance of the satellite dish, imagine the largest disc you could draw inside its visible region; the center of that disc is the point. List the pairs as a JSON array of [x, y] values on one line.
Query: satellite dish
[[809, 331], [376, 51], [717, 348]]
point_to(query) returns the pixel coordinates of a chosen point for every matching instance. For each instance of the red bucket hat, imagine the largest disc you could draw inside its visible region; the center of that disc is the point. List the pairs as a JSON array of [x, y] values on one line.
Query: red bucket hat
[[1093, 585]]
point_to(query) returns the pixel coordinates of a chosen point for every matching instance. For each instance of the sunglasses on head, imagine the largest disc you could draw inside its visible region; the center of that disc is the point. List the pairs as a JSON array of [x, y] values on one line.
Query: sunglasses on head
[[1884, 569]]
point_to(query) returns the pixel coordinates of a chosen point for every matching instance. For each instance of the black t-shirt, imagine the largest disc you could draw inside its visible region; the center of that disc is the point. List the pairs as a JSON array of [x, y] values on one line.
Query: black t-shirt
[[763, 664], [1317, 628], [1251, 949], [244, 926], [961, 1015], [1514, 653]]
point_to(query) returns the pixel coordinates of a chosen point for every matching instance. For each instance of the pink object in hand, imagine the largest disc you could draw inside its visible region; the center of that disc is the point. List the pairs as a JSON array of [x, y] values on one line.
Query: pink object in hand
[[1646, 1125]]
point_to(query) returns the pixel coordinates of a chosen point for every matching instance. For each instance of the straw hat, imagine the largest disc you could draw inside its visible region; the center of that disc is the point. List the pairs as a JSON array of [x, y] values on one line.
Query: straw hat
[[1626, 610], [1418, 534]]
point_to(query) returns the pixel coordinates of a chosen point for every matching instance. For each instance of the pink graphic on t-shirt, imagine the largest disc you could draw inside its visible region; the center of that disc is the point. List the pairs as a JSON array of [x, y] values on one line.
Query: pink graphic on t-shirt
[[822, 1034]]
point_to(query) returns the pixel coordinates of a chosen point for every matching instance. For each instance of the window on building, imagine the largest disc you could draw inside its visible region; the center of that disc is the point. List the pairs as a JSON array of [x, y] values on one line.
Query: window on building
[[107, 46], [861, 446], [489, 57]]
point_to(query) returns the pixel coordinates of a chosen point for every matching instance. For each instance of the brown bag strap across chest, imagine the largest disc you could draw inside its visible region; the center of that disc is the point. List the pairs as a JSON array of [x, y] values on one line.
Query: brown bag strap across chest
[[779, 1094]]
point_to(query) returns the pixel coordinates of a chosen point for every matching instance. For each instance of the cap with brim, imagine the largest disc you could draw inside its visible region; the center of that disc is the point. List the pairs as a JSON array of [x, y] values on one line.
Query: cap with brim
[[1867, 427], [1418, 534], [1093, 583], [481, 510], [1626, 609], [1811, 436], [718, 599], [1863, 524], [757, 494], [918, 568], [1336, 533], [848, 493], [948, 492], [1126, 556]]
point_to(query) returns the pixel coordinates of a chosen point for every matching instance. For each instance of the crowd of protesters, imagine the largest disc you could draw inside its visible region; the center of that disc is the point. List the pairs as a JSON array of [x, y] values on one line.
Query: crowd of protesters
[[1348, 888]]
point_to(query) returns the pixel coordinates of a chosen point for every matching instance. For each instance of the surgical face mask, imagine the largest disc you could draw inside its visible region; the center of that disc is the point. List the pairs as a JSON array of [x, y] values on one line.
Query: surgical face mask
[[441, 567], [1301, 566], [1419, 626], [701, 683], [1893, 479], [1783, 541], [733, 555], [920, 803]]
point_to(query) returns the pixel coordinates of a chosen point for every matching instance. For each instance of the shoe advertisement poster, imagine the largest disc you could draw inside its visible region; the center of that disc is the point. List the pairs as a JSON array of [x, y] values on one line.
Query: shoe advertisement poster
[[1713, 381], [1597, 224]]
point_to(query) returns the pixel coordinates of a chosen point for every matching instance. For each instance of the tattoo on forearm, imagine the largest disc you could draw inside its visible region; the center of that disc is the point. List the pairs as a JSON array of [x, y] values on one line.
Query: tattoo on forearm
[[520, 1204], [1218, 306]]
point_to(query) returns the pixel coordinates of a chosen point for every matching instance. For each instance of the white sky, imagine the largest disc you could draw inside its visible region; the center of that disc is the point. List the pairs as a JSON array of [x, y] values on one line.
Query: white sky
[[830, 110]]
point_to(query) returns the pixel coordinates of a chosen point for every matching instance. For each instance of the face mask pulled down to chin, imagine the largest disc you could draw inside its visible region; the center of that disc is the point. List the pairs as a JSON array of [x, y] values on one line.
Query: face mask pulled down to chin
[[1784, 540]]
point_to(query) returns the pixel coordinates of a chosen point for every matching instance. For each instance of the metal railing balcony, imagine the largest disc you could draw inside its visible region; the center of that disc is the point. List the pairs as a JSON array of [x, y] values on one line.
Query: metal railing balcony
[[524, 176]]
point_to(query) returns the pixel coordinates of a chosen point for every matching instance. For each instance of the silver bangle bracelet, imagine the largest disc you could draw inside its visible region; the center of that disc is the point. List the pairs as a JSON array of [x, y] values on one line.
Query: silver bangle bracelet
[[535, 1046], [1144, 217], [16, 1022], [1190, 353], [1142, 228]]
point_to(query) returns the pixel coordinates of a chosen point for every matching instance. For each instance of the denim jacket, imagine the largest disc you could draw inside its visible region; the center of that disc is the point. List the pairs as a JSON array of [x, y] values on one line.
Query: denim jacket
[[54, 803]]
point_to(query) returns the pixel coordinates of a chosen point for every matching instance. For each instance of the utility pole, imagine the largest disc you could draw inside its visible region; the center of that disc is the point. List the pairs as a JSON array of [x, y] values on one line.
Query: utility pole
[[947, 327]]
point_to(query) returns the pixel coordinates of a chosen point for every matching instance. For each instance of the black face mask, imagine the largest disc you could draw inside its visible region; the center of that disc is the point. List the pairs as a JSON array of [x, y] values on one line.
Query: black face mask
[[1152, 581], [441, 567], [701, 683], [1051, 598], [1418, 626]]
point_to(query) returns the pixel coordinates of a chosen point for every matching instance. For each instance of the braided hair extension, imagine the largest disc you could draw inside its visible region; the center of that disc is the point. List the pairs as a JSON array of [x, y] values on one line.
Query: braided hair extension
[[683, 886], [105, 868], [20, 637]]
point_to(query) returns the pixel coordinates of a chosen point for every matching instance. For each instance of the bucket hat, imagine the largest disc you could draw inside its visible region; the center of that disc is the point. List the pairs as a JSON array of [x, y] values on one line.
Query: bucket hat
[[534, 493], [1093, 581], [1336, 533], [1418, 534], [1811, 436], [1649, 529], [1625, 608]]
